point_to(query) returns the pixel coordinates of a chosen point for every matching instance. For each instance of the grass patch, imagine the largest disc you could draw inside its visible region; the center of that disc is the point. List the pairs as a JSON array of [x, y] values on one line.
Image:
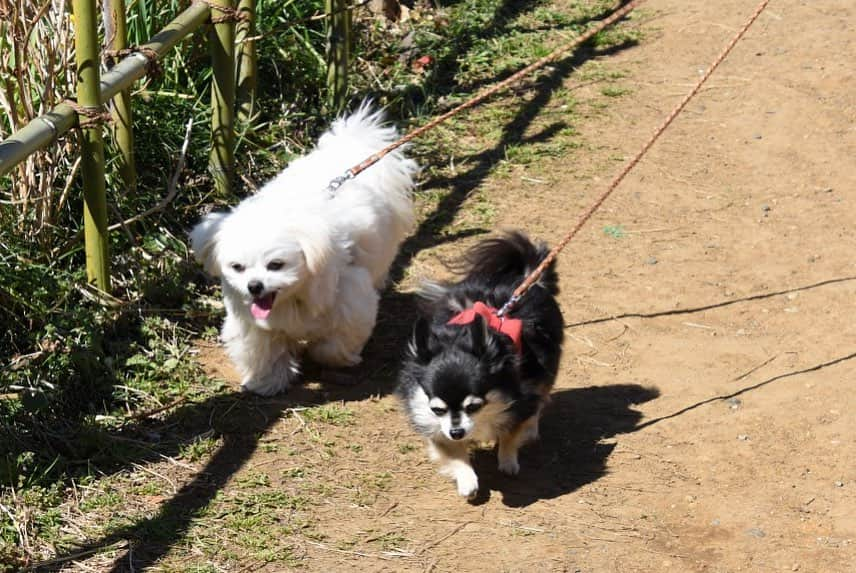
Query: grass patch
[[614, 231], [331, 414]]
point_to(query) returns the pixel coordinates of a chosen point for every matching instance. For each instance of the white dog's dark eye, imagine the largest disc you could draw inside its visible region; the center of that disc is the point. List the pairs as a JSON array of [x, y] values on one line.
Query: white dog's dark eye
[[238, 267], [440, 411], [275, 265], [473, 407]]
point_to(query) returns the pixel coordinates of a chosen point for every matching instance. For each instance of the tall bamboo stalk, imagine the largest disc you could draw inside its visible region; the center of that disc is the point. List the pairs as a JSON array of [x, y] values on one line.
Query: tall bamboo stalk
[[221, 161], [338, 53], [247, 67], [92, 162], [116, 37]]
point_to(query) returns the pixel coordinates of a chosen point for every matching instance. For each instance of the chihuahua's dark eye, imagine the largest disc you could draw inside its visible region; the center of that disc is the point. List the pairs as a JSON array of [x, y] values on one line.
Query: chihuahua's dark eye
[[439, 411], [275, 265], [238, 267], [473, 407]]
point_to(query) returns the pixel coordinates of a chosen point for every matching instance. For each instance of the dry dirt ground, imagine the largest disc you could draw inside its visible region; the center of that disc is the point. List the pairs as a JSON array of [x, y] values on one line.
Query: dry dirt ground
[[703, 416]]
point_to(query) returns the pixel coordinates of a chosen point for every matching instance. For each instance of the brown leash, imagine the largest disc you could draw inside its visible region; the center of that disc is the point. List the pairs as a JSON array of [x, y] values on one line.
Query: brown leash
[[586, 36], [551, 256]]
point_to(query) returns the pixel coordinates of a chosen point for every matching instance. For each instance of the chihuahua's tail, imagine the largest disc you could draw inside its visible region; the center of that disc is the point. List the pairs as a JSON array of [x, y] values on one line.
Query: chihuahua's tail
[[509, 259]]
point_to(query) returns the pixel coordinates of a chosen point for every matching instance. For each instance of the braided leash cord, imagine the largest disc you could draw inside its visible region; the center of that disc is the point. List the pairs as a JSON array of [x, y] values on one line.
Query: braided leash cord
[[586, 36], [551, 256]]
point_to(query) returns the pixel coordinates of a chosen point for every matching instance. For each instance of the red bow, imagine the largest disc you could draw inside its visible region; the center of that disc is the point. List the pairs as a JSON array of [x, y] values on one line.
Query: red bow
[[511, 327]]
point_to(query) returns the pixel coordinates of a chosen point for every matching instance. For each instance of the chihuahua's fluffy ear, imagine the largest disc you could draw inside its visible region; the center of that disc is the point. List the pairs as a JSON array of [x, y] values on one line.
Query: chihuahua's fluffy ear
[[203, 241]]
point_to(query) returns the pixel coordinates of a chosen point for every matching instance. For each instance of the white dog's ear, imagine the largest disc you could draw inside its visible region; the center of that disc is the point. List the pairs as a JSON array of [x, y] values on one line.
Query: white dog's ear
[[203, 241], [322, 261]]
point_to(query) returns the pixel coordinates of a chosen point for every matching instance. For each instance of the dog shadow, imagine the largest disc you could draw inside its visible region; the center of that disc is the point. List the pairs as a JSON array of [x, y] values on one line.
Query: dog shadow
[[572, 450]]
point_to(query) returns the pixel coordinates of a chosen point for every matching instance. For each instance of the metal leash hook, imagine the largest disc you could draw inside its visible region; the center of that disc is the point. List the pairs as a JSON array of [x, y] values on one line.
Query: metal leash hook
[[512, 302], [337, 182]]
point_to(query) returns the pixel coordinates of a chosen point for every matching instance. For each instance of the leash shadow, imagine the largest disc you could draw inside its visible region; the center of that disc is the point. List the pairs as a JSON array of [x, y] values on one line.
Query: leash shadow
[[577, 428]]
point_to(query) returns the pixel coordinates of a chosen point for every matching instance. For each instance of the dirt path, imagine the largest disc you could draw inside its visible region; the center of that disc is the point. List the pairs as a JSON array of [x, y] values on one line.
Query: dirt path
[[703, 418]]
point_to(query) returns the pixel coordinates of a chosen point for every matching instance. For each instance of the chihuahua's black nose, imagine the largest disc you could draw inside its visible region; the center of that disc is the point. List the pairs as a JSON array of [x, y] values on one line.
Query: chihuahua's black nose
[[456, 433], [255, 287]]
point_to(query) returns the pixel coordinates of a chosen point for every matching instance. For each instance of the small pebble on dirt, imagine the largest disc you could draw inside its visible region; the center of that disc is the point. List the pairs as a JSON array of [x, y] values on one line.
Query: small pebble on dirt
[[756, 532], [757, 136], [743, 437], [715, 522], [651, 261], [839, 484], [734, 403]]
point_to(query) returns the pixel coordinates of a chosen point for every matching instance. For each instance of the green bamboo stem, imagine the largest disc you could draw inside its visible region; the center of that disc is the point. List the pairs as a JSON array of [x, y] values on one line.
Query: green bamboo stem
[[116, 32], [221, 39], [45, 129], [338, 53], [92, 161], [246, 60]]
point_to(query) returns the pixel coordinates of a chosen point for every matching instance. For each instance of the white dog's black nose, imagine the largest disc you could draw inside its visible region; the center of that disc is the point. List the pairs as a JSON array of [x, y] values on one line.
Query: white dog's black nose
[[255, 287], [456, 433]]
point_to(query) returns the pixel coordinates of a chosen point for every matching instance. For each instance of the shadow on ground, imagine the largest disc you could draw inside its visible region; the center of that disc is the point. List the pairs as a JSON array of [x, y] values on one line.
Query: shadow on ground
[[571, 452]]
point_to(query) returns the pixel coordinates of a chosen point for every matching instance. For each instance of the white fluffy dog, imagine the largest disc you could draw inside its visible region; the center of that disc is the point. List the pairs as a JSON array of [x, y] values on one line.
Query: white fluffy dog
[[301, 269]]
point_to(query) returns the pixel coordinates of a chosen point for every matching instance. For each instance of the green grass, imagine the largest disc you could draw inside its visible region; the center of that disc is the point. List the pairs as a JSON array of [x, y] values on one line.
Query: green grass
[[332, 414], [614, 231]]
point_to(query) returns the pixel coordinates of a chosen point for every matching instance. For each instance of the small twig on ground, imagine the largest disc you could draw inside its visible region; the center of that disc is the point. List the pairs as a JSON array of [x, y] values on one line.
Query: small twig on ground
[[444, 538], [156, 474], [696, 325], [357, 553], [755, 368], [388, 509], [158, 410], [115, 546]]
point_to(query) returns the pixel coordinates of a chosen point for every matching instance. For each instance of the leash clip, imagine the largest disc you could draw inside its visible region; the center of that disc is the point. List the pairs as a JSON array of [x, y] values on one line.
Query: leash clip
[[337, 182]]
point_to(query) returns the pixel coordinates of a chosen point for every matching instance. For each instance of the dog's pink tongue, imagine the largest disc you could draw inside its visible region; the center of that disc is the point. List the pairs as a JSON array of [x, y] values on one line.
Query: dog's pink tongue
[[261, 306]]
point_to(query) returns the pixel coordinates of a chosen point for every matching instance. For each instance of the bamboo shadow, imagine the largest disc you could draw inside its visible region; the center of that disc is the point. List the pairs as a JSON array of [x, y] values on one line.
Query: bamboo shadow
[[571, 451], [240, 420]]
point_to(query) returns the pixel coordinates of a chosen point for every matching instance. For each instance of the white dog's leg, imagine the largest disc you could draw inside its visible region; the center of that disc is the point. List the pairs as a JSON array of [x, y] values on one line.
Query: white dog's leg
[[454, 461], [351, 321], [284, 371], [266, 363]]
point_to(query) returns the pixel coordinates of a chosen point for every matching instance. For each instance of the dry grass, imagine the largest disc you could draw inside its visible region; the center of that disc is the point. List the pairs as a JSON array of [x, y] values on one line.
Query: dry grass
[[36, 73]]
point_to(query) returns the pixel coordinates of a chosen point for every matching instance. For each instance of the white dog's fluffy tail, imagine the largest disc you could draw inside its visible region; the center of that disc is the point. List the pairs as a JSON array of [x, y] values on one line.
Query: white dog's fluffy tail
[[364, 128]]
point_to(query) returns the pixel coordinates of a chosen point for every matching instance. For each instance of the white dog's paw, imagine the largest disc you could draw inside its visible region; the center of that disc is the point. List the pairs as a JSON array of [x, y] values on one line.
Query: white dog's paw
[[509, 465], [266, 385], [467, 482]]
